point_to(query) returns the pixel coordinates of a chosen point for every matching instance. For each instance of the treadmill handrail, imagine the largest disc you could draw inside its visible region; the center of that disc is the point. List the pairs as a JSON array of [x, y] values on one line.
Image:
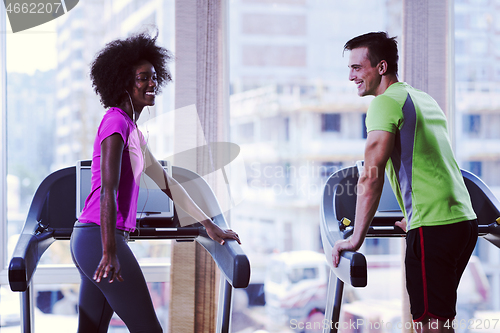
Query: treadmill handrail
[[352, 268], [230, 258], [31, 245]]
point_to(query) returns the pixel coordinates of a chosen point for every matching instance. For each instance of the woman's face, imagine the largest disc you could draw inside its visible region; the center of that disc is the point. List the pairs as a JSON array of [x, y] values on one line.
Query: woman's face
[[144, 89]]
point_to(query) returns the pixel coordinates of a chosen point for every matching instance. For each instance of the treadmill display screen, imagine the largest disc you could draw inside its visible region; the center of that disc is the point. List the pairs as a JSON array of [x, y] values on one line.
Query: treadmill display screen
[[150, 204]]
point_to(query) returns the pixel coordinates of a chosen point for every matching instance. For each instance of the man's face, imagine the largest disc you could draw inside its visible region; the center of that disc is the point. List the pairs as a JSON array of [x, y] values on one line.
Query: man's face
[[366, 77]]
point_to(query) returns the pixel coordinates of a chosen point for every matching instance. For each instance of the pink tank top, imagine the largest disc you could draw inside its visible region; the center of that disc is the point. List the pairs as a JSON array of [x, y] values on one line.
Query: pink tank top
[[117, 121]]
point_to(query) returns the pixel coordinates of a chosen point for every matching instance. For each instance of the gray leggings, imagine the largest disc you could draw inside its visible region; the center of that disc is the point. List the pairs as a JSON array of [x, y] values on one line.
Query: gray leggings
[[130, 299]]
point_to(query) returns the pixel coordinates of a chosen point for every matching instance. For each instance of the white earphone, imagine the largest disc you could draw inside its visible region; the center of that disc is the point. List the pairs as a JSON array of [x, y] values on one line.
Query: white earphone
[[133, 111]]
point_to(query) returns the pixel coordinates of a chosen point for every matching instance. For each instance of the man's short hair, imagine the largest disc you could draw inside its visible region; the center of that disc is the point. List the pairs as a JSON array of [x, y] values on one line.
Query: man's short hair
[[380, 47]]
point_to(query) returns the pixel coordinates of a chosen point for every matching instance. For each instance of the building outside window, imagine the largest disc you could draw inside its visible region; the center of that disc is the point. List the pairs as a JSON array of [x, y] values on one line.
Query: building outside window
[[330, 122], [472, 125]]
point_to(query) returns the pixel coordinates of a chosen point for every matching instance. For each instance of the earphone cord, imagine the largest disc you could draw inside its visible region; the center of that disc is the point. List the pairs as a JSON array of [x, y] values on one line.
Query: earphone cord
[[133, 110], [144, 165], [143, 153]]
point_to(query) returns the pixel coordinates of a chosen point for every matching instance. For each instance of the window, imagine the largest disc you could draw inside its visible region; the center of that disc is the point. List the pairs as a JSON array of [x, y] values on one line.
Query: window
[[461, 21], [329, 168], [479, 46], [497, 71], [256, 62], [330, 122], [287, 128], [271, 128], [461, 73], [274, 55], [51, 117], [476, 83], [244, 133], [318, 106], [472, 124], [78, 34], [460, 47], [476, 168], [265, 24]]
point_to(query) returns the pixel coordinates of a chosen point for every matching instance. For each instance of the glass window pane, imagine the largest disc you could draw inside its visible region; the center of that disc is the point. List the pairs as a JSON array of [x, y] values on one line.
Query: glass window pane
[[59, 304], [52, 110], [477, 113], [287, 68], [53, 114]]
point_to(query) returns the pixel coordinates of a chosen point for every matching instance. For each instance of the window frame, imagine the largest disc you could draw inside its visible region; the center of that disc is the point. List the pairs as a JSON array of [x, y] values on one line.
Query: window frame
[[3, 146]]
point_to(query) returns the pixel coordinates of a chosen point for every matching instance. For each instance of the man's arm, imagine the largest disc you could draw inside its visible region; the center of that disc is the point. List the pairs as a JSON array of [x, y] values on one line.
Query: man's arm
[[379, 146]]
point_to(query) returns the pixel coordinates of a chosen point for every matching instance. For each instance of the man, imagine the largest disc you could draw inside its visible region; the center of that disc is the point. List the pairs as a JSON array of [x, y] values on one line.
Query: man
[[408, 137]]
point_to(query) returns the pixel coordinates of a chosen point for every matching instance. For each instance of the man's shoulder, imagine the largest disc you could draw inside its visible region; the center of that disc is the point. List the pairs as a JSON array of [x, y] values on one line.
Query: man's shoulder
[[398, 92], [386, 101]]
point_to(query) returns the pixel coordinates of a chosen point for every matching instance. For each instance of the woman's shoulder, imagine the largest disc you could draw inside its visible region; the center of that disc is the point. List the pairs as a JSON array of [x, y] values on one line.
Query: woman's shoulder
[[116, 116], [115, 112], [115, 120]]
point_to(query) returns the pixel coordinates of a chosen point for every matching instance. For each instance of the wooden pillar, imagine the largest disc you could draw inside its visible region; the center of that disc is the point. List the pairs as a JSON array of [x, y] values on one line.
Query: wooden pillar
[[200, 82], [428, 64]]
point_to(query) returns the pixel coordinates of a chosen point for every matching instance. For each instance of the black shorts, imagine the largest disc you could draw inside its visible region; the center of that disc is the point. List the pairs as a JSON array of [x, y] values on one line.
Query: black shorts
[[435, 260]]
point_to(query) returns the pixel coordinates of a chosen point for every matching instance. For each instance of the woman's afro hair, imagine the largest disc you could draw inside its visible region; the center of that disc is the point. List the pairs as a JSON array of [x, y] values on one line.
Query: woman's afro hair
[[112, 71]]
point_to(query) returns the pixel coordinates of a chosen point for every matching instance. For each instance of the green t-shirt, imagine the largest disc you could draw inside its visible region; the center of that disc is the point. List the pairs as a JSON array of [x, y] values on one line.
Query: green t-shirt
[[422, 169]]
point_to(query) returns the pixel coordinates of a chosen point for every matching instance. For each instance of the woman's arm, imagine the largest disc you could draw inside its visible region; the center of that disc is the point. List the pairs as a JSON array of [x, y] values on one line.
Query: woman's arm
[[182, 199], [111, 157]]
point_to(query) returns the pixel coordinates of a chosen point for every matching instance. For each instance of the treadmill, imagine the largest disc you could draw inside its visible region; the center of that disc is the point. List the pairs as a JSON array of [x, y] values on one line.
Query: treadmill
[[59, 200], [338, 206]]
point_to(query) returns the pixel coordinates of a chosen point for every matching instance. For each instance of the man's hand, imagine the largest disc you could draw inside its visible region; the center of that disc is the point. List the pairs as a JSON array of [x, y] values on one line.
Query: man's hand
[[342, 245], [401, 224]]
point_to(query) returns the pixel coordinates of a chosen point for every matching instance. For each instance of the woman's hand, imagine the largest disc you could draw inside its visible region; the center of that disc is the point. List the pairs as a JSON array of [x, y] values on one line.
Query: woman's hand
[[218, 234], [109, 266]]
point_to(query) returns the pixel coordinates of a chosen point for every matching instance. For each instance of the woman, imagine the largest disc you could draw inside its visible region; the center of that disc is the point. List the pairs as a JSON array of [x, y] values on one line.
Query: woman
[[127, 75]]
